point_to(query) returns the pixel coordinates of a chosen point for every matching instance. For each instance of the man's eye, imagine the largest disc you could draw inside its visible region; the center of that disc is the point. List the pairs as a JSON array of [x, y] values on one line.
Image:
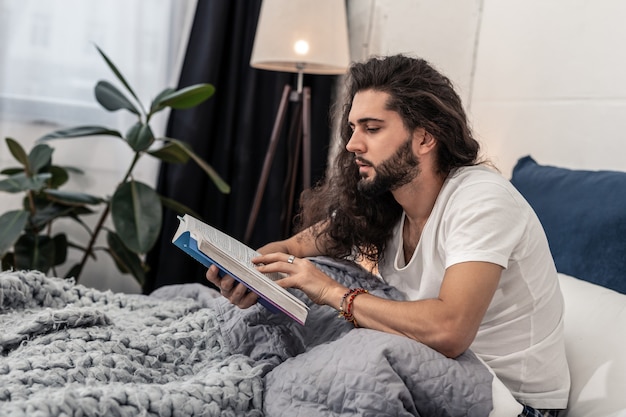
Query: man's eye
[[373, 129]]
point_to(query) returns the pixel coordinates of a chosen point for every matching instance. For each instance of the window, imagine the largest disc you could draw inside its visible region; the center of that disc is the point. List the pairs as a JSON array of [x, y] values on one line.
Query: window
[[49, 64]]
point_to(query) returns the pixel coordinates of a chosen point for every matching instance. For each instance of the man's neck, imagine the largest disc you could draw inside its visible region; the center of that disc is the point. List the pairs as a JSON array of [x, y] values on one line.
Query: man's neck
[[418, 197]]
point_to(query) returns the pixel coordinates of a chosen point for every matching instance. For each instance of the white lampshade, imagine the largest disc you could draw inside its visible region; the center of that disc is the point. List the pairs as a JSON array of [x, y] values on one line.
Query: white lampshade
[[309, 36]]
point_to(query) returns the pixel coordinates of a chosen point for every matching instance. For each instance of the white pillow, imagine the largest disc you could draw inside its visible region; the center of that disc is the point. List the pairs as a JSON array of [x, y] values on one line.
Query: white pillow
[[503, 402], [595, 341]]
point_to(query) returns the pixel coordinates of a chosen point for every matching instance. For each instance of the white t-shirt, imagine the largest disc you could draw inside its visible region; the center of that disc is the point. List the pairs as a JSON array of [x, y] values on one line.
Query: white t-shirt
[[480, 216]]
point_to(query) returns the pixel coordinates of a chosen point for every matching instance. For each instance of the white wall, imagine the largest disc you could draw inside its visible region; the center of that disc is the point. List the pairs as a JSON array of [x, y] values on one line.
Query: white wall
[[545, 78]]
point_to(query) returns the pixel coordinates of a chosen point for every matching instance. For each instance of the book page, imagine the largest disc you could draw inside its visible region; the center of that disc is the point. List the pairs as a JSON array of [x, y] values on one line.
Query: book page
[[227, 244]]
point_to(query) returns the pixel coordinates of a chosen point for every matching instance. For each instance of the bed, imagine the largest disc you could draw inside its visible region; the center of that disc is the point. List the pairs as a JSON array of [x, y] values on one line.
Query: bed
[[70, 350], [183, 351]]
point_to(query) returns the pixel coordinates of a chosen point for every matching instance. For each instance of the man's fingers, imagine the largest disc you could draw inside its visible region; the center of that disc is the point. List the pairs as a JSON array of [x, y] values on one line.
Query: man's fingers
[[238, 293], [248, 300], [227, 283], [211, 275]]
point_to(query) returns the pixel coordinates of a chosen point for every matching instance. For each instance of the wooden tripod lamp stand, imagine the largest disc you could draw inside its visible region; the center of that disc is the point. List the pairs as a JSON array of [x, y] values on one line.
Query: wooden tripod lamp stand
[[301, 36]]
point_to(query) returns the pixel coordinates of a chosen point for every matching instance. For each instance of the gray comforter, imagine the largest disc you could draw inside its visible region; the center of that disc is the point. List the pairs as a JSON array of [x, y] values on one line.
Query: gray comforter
[[69, 350]]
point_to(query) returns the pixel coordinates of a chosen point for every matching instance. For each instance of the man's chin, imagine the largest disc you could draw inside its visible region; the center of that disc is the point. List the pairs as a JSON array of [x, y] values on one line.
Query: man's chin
[[370, 188]]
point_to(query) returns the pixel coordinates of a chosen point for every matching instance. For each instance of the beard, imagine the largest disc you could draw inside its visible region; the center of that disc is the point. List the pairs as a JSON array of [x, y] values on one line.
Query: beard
[[391, 174]]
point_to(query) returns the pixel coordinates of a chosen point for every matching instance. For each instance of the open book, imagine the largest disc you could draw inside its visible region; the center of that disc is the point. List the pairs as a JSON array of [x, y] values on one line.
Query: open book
[[210, 246]]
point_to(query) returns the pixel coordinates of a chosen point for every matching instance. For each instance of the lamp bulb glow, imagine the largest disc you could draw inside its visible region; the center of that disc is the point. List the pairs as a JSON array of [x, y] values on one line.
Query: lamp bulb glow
[[301, 47]]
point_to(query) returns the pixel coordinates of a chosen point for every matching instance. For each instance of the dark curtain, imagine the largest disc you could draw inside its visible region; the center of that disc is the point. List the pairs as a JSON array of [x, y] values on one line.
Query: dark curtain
[[231, 131]]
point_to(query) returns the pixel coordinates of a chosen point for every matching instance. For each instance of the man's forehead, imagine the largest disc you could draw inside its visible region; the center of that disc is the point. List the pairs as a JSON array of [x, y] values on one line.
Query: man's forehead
[[369, 105]]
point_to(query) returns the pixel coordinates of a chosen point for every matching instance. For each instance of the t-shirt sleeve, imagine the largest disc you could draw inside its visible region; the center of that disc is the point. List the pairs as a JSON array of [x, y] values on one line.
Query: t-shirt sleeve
[[483, 222]]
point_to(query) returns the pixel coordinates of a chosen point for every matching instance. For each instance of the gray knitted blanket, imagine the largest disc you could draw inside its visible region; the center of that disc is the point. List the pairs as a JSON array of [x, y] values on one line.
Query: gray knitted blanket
[[68, 350]]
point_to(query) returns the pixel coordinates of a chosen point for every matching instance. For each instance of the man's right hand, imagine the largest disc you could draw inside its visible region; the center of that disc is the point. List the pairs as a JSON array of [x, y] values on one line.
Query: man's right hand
[[237, 293]]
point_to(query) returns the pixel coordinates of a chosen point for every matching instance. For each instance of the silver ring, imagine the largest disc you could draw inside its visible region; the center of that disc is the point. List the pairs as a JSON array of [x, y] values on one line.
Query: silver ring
[[291, 259]]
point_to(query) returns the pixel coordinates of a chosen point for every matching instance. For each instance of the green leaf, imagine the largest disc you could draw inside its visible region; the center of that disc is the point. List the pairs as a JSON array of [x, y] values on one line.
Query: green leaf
[[12, 223], [215, 177], [59, 176], [74, 271], [177, 207], [11, 171], [171, 153], [79, 132], [45, 212], [60, 248], [112, 99], [35, 252], [72, 198], [140, 137], [20, 182], [187, 97], [39, 157], [8, 261], [156, 105], [18, 152], [126, 260], [137, 213], [117, 73]]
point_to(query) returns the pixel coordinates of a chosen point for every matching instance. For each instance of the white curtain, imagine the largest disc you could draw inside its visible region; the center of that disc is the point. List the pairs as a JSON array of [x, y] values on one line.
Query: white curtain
[[49, 66]]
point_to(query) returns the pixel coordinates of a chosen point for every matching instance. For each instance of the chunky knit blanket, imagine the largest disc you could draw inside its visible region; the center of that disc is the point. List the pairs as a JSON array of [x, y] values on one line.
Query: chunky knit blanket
[[69, 350]]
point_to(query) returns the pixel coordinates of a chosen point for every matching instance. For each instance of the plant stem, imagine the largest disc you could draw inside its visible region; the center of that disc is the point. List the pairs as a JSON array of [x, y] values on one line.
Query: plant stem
[[92, 241], [103, 217], [131, 168]]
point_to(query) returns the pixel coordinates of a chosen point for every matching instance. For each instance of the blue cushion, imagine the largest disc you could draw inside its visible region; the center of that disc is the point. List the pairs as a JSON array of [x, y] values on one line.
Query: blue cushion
[[584, 216]]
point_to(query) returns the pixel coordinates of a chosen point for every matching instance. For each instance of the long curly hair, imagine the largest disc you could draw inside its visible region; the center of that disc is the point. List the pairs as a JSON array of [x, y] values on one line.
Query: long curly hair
[[344, 221]]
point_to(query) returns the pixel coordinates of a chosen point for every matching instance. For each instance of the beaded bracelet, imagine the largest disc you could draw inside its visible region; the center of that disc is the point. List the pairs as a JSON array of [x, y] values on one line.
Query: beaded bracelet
[[347, 312]]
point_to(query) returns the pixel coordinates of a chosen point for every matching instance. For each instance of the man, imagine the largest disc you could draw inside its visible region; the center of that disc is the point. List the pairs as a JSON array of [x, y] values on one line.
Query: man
[[411, 195]]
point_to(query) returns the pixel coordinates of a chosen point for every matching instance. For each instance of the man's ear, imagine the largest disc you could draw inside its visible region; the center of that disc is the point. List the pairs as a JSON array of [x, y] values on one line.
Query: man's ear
[[424, 140]]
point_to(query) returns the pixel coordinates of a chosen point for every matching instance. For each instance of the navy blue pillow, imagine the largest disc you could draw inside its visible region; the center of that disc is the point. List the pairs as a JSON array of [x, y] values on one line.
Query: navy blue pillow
[[584, 216]]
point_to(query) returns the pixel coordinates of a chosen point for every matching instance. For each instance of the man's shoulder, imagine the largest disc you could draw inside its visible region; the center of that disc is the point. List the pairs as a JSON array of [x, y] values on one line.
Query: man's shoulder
[[476, 175], [473, 184]]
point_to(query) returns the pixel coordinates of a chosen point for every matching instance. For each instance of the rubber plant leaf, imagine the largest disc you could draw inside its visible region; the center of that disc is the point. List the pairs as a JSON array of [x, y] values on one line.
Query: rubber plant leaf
[[171, 153], [74, 271], [21, 182], [156, 105], [59, 176], [18, 152], [39, 157], [187, 97], [72, 198], [140, 137], [34, 252], [126, 260], [215, 177], [137, 213], [113, 99], [8, 261], [12, 171], [46, 211], [12, 224], [79, 132], [177, 207], [117, 73], [60, 248]]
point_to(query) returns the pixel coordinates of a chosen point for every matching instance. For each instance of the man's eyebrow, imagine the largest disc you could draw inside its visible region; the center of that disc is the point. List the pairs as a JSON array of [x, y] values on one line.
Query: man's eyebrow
[[368, 119]]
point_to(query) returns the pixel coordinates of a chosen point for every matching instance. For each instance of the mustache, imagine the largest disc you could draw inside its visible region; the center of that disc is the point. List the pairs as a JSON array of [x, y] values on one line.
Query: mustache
[[363, 161]]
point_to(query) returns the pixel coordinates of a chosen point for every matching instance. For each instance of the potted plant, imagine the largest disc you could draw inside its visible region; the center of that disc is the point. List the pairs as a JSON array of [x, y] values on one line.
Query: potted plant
[[135, 208]]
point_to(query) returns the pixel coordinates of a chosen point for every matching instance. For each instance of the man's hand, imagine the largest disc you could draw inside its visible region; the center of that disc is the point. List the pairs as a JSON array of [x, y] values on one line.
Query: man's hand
[[303, 275], [238, 294]]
